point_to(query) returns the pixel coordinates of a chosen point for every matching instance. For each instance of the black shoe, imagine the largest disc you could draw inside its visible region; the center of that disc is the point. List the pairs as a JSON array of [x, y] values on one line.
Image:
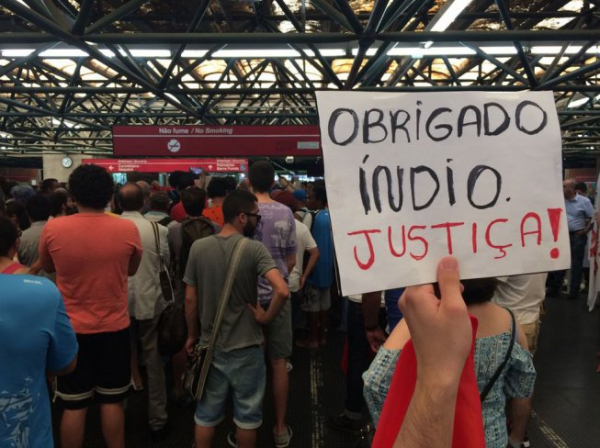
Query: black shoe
[[231, 439], [344, 423], [161, 433]]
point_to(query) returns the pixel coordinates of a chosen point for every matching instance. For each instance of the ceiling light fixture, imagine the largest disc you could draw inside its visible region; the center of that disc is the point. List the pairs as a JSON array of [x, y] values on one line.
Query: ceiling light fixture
[[64, 53], [17, 52], [257, 53], [327, 52], [447, 14], [418, 52], [194, 53]]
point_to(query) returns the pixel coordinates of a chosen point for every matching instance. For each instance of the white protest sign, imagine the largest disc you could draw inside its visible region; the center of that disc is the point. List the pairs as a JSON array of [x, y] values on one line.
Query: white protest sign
[[413, 177]]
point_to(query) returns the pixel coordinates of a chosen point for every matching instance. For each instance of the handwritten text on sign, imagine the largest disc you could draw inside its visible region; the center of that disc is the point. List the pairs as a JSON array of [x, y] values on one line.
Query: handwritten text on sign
[[414, 177]]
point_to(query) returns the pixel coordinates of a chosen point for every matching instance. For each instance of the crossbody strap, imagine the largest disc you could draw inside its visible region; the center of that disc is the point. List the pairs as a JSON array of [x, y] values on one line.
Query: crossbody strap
[[226, 291], [157, 242], [498, 372]]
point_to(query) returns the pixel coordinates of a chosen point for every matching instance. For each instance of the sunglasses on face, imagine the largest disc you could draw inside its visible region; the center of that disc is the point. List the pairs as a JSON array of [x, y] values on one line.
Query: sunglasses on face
[[256, 215]]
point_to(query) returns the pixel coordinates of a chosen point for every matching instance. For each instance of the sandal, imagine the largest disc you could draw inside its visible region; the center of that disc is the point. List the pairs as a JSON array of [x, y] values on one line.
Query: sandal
[[283, 439]]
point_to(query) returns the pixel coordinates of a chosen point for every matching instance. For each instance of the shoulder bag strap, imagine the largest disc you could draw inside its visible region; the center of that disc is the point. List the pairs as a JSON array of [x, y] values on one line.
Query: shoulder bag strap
[[157, 242], [226, 291], [498, 372]]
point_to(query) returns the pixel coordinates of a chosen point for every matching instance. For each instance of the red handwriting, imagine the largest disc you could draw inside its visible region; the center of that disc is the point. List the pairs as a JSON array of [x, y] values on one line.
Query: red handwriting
[[415, 239]]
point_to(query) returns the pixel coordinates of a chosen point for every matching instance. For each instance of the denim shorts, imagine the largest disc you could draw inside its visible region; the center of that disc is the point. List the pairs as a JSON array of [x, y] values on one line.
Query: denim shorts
[[241, 372]]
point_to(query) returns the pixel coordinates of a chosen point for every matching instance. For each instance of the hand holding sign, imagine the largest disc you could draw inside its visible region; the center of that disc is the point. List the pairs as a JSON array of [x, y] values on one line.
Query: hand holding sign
[[412, 178]]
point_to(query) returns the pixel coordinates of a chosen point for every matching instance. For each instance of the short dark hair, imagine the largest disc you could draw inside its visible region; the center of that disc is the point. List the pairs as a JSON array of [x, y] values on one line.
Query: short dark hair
[[8, 235], [58, 200], [193, 200], [131, 197], [47, 185], [91, 186], [39, 208], [261, 176], [320, 192], [479, 290], [218, 187], [185, 180], [159, 201], [16, 208], [174, 178], [582, 186], [236, 202]]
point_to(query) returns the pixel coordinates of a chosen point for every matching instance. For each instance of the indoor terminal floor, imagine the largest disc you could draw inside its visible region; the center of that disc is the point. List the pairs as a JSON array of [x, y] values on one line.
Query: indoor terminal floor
[[566, 404]]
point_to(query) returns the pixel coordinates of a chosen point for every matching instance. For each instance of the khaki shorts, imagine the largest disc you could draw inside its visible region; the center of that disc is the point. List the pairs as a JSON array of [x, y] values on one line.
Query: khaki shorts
[[278, 333], [532, 332]]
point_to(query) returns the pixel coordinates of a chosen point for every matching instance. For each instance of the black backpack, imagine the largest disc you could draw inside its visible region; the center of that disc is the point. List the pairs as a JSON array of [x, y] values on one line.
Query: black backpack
[[192, 229]]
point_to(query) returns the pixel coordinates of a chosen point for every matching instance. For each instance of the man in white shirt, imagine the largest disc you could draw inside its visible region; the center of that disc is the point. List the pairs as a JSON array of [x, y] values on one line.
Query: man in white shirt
[[523, 295], [146, 303]]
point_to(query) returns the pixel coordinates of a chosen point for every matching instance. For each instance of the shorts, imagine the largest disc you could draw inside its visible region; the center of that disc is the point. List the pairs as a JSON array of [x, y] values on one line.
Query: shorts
[[278, 333], [243, 372], [316, 299], [532, 332], [103, 372]]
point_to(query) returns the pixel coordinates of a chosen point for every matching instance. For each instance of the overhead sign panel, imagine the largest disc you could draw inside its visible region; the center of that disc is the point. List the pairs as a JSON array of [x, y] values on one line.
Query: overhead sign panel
[[170, 165], [213, 141]]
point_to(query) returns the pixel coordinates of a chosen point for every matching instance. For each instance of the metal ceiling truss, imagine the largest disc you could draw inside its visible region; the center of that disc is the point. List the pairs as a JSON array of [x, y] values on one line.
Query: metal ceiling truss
[[69, 103]]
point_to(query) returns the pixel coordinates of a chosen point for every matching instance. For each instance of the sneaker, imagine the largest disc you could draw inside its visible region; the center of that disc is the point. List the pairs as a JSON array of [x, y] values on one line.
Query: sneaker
[[282, 440], [231, 439], [526, 443], [289, 367], [344, 423]]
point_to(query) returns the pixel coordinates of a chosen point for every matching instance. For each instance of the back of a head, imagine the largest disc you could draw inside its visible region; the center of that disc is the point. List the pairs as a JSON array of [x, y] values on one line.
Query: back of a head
[[145, 186], [285, 197], [8, 236], [320, 193], [261, 176], [39, 208], [174, 178], [218, 187], [478, 290], [49, 185], [58, 200], [159, 202], [236, 202], [131, 197], [185, 180], [193, 200], [91, 186], [22, 193], [581, 186]]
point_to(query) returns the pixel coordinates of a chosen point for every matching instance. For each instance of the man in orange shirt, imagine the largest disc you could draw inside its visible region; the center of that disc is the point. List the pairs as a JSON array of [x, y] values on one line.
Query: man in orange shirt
[[217, 189], [93, 253]]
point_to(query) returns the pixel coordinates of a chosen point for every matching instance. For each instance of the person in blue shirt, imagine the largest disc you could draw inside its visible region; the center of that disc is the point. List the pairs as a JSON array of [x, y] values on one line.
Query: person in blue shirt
[[579, 211], [37, 340], [317, 298]]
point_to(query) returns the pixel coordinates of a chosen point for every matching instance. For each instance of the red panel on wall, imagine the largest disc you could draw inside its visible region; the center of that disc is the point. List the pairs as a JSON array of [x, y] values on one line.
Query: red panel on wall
[[241, 141]]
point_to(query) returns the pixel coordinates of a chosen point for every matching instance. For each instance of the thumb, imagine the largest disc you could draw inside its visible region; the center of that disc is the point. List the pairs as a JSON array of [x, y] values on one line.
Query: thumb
[[449, 282]]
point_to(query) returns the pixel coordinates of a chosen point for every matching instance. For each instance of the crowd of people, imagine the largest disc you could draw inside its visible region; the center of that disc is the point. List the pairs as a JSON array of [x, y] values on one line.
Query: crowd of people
[[82, 306]]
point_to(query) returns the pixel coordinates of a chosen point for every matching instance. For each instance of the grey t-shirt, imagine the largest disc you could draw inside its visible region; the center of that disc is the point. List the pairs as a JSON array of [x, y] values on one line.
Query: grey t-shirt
[[207, 268]]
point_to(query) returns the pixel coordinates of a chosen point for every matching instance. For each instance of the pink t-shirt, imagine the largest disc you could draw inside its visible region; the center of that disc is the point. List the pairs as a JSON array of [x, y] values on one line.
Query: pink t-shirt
[[91, 254]]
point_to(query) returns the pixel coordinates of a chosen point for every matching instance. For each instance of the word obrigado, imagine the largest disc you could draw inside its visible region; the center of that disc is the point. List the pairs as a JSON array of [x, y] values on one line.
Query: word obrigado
[[413, 240], [378, 125]]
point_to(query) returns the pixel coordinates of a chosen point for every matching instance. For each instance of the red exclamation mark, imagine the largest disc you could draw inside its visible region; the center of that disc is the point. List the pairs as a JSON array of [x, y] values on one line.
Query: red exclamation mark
[[554, 217]]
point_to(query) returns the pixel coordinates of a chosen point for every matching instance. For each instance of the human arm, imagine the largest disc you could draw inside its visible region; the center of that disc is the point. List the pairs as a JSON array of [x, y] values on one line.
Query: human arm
[[371, 303], [312, 261], [290, 261], [442, 335], [35, 267], [519, 410], [191, 318], [136, 256], [280, 295], [63, 347], [45, 258]]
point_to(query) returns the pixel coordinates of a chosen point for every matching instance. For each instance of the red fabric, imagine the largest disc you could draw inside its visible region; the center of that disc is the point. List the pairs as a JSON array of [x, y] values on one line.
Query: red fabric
[[468, 421], [178, 213], [11, 269]]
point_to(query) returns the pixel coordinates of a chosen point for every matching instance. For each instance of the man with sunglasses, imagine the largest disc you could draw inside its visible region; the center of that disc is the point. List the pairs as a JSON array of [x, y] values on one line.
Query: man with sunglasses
[[238, 365], [278, 233]]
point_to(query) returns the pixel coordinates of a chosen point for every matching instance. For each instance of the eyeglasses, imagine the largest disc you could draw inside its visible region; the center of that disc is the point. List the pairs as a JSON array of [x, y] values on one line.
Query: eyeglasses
[[256, 215]]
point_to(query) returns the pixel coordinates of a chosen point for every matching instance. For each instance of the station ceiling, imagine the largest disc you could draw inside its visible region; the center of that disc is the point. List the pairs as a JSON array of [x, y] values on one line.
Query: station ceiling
[[70, 69]]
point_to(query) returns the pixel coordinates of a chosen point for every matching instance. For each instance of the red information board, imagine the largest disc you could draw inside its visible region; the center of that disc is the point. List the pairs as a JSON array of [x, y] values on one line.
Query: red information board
[[170, 165], [240, 141]]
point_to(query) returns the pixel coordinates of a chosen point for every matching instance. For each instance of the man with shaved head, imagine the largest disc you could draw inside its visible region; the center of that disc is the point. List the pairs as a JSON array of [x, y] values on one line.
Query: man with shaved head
[[146, 302], [579, 211]]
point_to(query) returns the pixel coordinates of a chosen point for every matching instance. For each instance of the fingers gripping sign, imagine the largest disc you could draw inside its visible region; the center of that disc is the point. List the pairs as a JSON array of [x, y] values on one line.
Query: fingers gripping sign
[[440, 328]]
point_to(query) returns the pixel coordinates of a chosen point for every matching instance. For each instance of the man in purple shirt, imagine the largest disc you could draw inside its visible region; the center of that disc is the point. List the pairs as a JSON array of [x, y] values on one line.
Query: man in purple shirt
[[278, 233]]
